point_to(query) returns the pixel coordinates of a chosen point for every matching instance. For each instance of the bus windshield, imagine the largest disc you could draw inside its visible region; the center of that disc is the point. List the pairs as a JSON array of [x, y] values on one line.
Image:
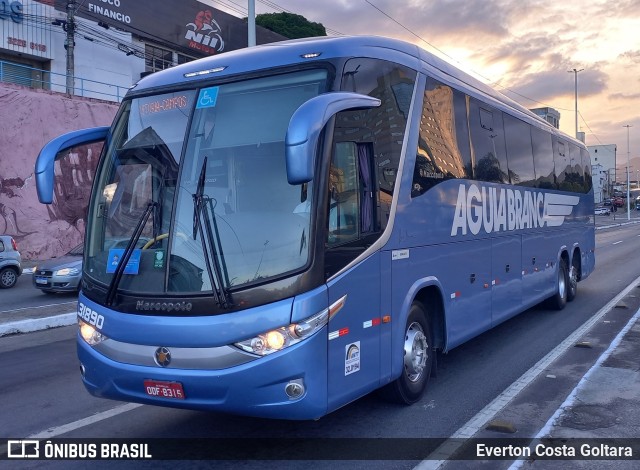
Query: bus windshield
[[204, 172]]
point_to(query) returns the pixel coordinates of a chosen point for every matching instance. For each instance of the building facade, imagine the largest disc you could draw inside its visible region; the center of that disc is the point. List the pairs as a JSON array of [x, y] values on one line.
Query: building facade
[[550, 115], [116, 42]]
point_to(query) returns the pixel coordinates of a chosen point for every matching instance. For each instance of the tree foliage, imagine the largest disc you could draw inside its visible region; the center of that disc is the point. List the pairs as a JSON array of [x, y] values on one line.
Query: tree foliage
[[290, 25]]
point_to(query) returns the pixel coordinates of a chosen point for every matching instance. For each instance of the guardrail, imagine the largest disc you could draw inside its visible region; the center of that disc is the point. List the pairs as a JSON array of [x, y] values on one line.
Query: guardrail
[[19, 74]]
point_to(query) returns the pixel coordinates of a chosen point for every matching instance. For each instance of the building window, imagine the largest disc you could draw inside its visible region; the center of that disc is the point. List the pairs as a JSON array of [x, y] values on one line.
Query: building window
[[159, 58]]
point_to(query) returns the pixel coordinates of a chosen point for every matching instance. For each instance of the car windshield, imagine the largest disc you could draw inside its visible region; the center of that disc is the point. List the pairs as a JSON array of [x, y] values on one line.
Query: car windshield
[[200, 176], [77, 251]]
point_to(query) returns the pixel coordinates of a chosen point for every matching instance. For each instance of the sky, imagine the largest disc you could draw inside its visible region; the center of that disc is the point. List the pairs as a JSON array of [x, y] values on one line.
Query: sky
[[526, 49]]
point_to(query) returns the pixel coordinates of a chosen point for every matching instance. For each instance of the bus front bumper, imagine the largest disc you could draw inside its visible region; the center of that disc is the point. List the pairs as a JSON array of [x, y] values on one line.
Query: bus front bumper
[[261, 387]]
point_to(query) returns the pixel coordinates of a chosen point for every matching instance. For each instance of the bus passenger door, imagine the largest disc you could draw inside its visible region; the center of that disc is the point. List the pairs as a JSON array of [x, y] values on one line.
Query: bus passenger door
[[354, 328]]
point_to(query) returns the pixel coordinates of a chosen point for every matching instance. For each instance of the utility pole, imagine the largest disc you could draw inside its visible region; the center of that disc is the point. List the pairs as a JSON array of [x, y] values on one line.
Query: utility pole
[[628, 201], [575, 72], [71, 29], [251, 16]]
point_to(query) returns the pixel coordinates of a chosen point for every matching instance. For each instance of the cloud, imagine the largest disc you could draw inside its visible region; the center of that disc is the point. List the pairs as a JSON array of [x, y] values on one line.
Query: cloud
[[554, 83], [624, 96], [631, 56]]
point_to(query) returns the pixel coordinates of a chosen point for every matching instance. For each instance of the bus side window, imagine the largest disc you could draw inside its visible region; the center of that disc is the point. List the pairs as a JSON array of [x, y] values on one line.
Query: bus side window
[[543, 159], [443, 146], [487, 139]]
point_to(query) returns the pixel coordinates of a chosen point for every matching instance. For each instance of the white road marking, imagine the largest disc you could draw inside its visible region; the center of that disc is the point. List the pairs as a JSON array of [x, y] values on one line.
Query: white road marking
[[65, 428], [617, 243], [441, 454]]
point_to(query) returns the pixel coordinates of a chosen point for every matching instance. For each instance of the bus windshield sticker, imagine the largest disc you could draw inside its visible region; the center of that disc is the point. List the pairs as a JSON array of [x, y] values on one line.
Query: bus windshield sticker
[[132, 267], [158, 259], [207, 97], [352, 358]]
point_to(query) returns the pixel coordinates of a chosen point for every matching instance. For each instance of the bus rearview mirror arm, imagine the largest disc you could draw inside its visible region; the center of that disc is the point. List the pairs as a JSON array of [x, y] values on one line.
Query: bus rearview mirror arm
[[307, 123], [44, 169]]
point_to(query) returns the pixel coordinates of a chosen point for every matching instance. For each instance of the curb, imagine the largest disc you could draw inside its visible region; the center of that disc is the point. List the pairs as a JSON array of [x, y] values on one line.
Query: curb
[[36, 324]]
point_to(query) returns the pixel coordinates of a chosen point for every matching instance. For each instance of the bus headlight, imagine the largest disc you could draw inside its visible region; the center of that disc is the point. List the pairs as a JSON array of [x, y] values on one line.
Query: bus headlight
[[280, 338], [90, 334]]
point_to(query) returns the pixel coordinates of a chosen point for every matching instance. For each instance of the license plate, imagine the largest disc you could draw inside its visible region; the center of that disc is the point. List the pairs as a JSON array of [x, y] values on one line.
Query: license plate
[[157, 388], [41, 280]]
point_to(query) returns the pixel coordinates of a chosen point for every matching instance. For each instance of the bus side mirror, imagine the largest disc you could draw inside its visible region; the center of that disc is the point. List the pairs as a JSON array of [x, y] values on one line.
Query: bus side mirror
[[307, 123], [52, 151]]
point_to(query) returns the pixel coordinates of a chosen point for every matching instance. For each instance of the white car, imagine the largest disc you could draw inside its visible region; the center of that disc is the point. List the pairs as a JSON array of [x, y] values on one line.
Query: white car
[[10, 262], [602, 211]]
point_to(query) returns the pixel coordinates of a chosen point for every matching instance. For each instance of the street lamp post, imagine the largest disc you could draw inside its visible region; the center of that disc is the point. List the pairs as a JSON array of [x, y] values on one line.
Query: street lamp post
[[628, 201], [575, 72], [251, 37]]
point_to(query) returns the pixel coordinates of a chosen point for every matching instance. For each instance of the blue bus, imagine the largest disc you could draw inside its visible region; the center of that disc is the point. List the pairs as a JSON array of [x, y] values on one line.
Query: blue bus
[[280, 230]]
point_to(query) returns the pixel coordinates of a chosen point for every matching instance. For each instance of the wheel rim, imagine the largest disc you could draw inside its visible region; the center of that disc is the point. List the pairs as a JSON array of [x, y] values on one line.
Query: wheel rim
[[8, 278], [573, 277], [416, 352]]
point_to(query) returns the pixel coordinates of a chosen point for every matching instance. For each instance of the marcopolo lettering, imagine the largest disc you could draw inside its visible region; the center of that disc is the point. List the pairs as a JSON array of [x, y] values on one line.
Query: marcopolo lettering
[[491, 209], [164, 306]]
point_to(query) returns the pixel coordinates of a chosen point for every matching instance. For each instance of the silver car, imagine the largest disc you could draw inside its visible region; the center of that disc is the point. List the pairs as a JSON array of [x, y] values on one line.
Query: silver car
[[10, 262], [60, 274]]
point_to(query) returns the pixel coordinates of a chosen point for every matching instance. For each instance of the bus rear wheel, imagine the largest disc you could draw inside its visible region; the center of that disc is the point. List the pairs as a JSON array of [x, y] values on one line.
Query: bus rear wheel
[[558, 300], [418, 359], [572, 285]]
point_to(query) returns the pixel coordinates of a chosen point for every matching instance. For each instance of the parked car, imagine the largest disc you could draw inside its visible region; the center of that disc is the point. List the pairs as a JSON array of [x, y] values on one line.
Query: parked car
[[10, 262], [606, 202], [602, 211], [60, 274], [618, 201]]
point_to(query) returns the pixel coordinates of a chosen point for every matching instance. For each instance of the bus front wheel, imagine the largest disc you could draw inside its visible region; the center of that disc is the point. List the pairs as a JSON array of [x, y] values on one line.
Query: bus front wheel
[[417, 359]]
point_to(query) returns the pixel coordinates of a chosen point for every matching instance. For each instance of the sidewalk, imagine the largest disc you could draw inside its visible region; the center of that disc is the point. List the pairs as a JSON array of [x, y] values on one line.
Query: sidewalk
[[604, 405]]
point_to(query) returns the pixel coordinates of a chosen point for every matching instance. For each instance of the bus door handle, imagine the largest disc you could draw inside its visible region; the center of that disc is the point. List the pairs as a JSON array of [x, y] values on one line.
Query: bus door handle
[[533, 260], [507, 268], [472, 278]]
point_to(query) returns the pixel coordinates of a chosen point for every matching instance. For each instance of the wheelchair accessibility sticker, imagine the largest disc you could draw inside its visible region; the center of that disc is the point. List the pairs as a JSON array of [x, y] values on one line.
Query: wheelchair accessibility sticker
[[207, 97]]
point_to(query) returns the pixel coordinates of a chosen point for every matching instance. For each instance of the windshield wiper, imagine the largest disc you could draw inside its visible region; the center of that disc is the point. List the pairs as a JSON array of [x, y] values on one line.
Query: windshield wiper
[[128, 251], [204, 211]]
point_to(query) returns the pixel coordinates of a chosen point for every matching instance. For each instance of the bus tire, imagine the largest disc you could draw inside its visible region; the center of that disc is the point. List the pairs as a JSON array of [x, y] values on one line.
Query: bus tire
[[558, 300], [572, 282], [418, 359]]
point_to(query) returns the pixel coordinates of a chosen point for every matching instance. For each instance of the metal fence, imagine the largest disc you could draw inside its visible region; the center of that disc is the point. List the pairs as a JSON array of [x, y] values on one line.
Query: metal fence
[[19, 74]]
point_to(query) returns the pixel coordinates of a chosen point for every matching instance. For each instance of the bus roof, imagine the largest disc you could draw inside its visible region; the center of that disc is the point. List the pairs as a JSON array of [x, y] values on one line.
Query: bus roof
[[291, 52]]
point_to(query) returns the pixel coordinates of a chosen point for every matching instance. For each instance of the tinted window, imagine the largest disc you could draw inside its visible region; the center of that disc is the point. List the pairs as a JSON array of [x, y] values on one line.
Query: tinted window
[[344, 193], [487, 141], [543, 159], [519, 151], [562, 164], [568, 167], [382, 127], [443, 145], [586, 166], [1, 245], [577, 172]]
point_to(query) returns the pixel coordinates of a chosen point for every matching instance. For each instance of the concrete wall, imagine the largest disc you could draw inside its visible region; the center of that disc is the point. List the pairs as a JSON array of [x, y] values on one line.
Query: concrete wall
[[28, 120]]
